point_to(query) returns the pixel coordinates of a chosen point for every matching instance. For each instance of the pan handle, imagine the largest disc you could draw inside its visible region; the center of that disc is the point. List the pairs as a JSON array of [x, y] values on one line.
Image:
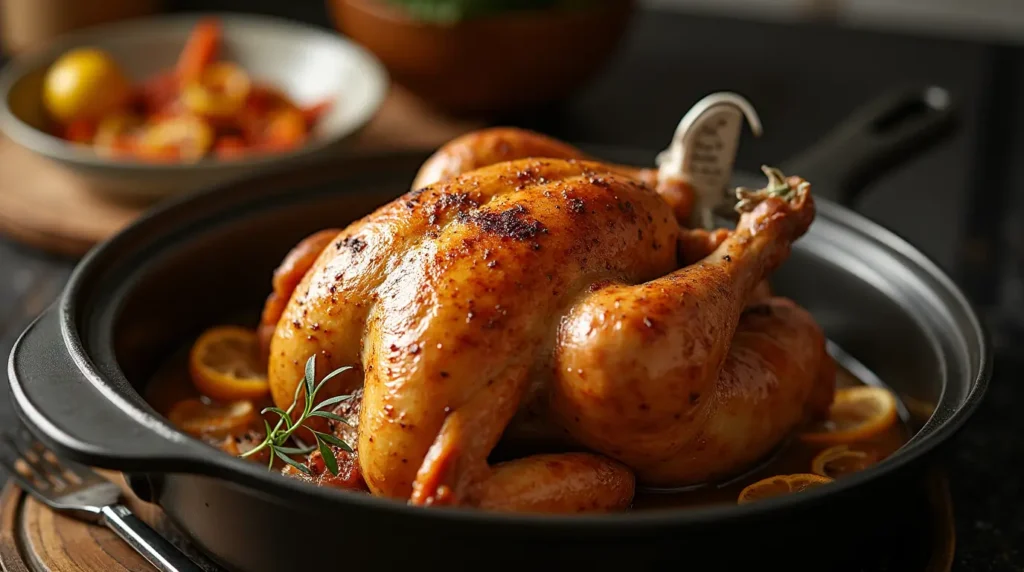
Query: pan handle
[[874, 139], [79, 420]]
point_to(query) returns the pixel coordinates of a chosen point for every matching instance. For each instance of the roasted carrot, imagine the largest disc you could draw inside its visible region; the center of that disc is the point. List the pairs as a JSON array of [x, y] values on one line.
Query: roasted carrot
[[286, 130], [80, 131], [123, 146], [264, 99], [165, 154], [200, 49], [314, 112], [230, 147], [251, 123], [159, 92]]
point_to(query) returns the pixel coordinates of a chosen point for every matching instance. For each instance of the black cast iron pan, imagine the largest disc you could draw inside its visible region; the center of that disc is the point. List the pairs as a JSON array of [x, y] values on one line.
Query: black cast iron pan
[[77, 370]]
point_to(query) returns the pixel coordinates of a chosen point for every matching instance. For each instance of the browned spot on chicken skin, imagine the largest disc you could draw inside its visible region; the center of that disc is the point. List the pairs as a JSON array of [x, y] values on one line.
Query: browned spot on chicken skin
[[511, 223]]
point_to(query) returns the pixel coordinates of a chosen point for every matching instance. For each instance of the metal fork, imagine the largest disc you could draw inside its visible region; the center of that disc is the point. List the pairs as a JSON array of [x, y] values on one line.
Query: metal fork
[[81, 492]]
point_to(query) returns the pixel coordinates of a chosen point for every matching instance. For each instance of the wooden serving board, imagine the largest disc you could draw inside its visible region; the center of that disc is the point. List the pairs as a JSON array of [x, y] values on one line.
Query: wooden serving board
[[47, 206], [35, 539]]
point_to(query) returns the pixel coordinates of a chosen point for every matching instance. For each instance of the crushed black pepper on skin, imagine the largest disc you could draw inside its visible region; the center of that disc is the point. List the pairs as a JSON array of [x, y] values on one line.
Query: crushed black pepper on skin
[[577, 206], [354, 244], [458, 200], [511, 223]]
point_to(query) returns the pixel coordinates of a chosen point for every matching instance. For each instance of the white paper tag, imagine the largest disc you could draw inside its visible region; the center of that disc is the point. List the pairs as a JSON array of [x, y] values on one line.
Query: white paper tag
[[703, 151]]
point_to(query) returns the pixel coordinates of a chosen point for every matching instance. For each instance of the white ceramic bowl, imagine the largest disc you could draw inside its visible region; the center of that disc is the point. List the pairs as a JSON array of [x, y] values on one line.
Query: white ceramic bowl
[[307, 63]]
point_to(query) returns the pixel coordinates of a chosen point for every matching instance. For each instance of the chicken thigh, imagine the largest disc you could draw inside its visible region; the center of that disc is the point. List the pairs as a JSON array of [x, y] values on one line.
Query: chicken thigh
[[568, 287]]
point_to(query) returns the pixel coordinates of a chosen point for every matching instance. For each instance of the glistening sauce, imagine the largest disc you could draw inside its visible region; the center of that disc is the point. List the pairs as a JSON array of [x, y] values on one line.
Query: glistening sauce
[[172, 384]]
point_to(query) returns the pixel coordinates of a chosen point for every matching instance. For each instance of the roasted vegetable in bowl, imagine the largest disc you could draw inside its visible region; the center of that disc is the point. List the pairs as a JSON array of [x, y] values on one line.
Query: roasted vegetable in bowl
[[85, 84], [203, 107]]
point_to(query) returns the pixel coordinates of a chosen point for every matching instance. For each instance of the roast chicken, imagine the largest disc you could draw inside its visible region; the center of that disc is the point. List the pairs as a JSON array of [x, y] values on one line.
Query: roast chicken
[[522, 287]]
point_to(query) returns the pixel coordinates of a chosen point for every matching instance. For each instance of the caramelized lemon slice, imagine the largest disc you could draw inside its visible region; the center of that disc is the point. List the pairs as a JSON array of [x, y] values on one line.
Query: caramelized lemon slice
[[840, 460], [858, 413], [225, 364], [114, 131], [220, 92], [198, 418], [181, 137], [780, 485]]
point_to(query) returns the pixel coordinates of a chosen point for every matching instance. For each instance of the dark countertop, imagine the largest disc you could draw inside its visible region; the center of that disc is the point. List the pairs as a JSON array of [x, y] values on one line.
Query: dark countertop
[[956, 203]]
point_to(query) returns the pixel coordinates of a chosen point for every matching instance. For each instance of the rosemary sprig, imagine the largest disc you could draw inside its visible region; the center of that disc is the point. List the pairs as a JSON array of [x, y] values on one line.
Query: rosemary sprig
[[278, 436], [747, 199]]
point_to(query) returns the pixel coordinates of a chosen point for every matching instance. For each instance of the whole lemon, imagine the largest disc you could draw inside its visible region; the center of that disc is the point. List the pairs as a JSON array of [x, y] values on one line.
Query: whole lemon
[[85, 83]]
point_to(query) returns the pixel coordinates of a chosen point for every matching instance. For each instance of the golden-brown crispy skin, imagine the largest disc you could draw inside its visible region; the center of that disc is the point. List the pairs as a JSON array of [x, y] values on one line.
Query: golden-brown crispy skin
[[562, 483], [287, 276], [462, 325], [489, 146], [555, 286], [497, 144]]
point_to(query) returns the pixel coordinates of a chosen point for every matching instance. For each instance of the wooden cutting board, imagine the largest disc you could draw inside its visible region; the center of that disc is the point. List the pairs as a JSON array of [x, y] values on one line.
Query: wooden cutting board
[[34, 538], [47, 206]]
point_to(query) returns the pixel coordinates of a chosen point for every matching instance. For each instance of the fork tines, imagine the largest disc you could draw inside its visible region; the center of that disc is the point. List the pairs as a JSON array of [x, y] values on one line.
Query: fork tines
[[29, 461]]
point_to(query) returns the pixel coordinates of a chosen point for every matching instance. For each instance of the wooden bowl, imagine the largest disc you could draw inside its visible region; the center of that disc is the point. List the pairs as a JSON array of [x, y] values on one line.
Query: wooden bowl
[[488, 64]]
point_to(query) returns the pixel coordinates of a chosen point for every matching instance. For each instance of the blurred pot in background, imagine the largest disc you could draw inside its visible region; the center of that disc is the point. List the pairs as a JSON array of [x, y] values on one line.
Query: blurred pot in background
[[27, 24], [487, 56]]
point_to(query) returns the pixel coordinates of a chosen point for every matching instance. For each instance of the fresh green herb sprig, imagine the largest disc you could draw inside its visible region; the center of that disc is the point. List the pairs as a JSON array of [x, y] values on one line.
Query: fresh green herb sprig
[[278, 436], [777, 187]]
